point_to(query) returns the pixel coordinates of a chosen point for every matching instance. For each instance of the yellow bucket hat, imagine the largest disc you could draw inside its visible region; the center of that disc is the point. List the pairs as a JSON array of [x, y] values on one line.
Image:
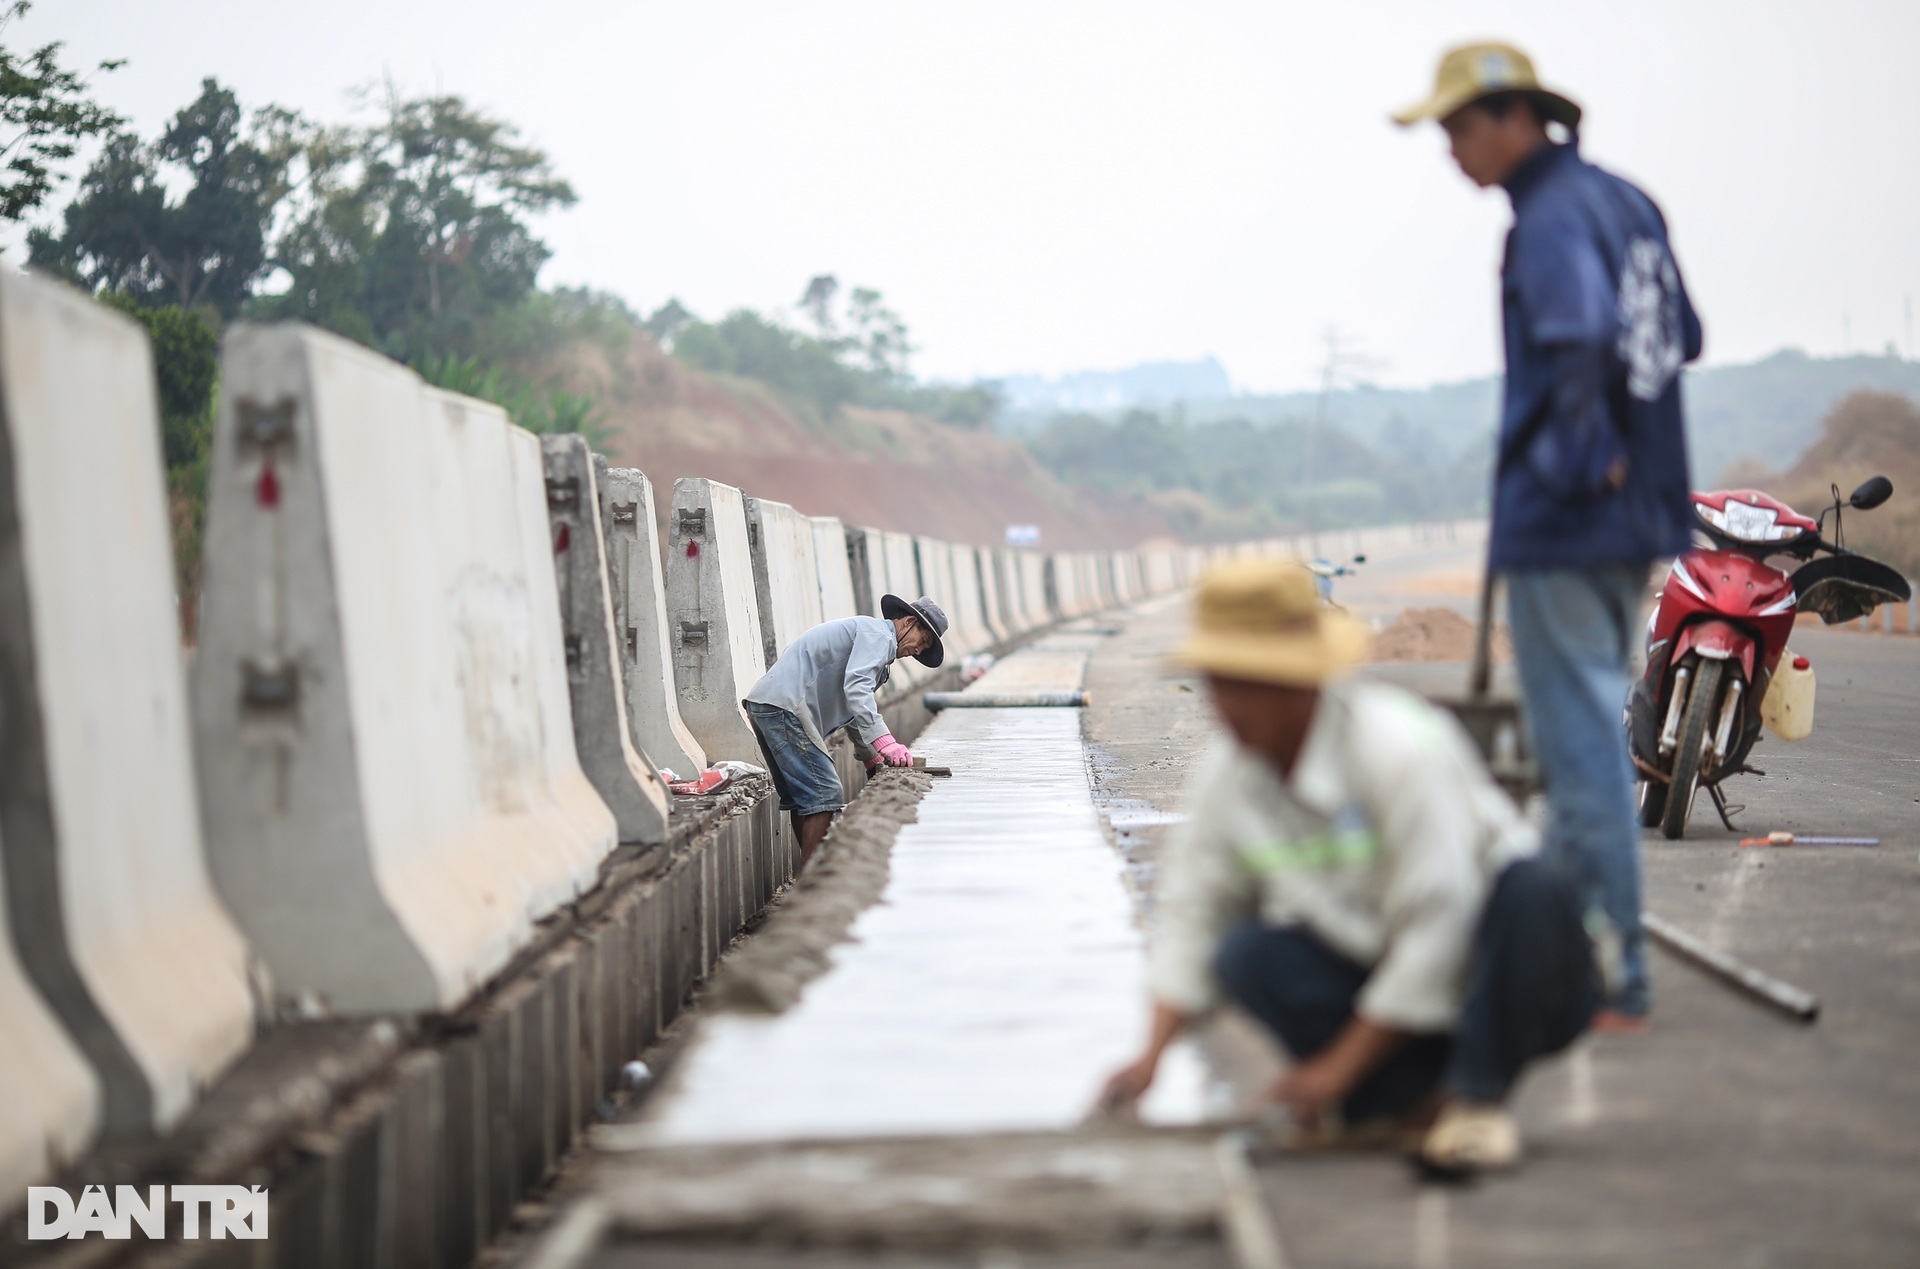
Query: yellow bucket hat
[[1262, 620], [1474, 71]]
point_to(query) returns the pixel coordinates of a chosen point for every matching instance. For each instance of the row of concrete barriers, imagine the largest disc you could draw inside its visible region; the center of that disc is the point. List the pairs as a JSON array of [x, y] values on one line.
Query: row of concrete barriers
[[441, 663]]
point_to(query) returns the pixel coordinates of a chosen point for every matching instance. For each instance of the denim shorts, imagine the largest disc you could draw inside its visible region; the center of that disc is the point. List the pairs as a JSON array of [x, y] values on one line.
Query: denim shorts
[[802, 773]]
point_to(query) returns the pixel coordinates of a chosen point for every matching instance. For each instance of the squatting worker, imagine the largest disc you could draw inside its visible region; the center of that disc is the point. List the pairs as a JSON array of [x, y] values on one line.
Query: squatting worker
[[1351, 875], [825, 681], [1590, 480]]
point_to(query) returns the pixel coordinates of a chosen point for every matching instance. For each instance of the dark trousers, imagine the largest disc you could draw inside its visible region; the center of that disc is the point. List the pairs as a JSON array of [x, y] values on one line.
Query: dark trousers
[[1531, 988]]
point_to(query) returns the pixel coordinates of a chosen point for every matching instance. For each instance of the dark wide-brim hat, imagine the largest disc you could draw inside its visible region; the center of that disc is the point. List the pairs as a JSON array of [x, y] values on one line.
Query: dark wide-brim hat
[[931, 615]]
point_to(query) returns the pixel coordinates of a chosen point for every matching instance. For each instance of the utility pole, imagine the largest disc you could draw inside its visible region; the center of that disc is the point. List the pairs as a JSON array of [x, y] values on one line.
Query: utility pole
[[1342, 366], [1909, 328]]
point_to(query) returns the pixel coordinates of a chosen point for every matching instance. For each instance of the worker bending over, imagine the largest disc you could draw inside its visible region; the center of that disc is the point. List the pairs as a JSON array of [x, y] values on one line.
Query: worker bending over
[[1351, 875], [824, 681]]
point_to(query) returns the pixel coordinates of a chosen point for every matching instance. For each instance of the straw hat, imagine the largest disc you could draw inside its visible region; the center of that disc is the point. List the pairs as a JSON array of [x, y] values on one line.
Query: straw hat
[[1262, 620], [1474, 71]]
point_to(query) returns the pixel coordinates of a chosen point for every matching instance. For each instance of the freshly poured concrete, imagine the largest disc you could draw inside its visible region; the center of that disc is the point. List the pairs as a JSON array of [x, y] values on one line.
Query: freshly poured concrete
[[995, 985]]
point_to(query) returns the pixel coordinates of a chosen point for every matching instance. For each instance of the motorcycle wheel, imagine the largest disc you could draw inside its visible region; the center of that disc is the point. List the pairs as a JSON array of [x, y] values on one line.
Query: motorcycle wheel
[[1702, 704], [1653, 803]]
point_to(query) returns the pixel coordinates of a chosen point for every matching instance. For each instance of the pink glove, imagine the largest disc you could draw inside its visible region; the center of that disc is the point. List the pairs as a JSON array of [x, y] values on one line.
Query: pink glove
[[892, 752]]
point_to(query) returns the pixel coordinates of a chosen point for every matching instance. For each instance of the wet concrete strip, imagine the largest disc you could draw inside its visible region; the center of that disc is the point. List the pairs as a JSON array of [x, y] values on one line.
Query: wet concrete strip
[[994, 986], [768, 972]]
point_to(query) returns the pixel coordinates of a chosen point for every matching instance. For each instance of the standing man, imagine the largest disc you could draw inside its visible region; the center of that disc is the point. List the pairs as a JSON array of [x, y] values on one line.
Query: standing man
[[825, 680], [1590, 480]]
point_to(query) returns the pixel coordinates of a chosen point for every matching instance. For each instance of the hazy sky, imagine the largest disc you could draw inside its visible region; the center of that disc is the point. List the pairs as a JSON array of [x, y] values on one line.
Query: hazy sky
[[1048, 186]]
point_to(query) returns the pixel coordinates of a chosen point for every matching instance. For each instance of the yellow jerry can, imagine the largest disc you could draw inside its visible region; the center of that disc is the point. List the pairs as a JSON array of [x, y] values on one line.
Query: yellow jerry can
[[1787, 709]]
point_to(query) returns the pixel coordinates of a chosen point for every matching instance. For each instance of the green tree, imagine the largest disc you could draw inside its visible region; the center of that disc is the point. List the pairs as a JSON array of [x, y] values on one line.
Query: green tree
[[123, 232], [411, 234], [807, 371], [667, 321], [186, 363], [45, 112], [550, 409], [879, 336]]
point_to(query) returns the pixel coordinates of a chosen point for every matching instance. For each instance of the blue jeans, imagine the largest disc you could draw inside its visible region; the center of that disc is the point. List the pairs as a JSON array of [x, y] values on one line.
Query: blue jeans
[[1573, 631], [1530, 989], [803, 775]]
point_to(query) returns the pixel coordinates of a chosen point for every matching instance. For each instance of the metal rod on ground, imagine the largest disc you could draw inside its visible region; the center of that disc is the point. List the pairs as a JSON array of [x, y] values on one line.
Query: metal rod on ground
[[1244, 1218], [1785, 997], [937, 701]]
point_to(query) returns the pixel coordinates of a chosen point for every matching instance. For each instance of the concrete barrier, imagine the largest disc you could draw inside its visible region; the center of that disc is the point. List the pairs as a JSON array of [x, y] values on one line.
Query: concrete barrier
[[620, 771], [935, 564], [640, 622], [786, 574], [830, 560], [387, 765], [969, 610], [981, 559], [1160, 571], [52, 1108], [1069, 584], [903, 578], [1004, 566], [713, 615], [111, 911], [866, 569]]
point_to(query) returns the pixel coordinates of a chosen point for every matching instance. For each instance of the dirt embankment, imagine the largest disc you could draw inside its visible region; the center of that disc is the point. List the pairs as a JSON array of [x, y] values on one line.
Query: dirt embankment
[[1425, 635], [878, 468]]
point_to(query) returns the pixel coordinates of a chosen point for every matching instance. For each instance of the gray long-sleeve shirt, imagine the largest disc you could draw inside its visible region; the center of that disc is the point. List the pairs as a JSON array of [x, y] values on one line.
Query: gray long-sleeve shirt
[[827, 677]]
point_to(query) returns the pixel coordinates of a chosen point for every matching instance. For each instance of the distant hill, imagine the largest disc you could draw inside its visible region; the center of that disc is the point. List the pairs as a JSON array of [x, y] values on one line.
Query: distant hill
[[1768, 410], [882, 468], [1150, 384], [1866, 434]]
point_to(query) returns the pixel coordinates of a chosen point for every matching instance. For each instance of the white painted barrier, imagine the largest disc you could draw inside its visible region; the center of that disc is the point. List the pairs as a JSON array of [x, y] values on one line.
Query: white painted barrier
[[1003, 575], [52, 1108], [902, 573], [380, 695], [786, 574], [640, 622], [903, 569], [1034, 608], [713, 616], [1160, 571], [621, 772], [837, 598], [111, 911], [969, 611], [985, 570], [866, 569], [935, 560]]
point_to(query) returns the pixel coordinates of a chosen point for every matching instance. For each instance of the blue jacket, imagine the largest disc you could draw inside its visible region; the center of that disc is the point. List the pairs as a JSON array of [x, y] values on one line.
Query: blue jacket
[[1597, 324]]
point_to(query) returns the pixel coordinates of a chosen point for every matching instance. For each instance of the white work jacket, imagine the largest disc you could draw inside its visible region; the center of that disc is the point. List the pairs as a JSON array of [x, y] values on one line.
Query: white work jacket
[[1383, 844]]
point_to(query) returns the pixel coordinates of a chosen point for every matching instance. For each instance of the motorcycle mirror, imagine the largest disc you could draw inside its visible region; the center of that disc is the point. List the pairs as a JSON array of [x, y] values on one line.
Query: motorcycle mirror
[[1361, 559], [1871, 494]]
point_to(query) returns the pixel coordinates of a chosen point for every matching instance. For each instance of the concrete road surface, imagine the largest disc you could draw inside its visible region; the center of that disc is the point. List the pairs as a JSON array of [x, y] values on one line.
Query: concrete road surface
[[1728, 1136]]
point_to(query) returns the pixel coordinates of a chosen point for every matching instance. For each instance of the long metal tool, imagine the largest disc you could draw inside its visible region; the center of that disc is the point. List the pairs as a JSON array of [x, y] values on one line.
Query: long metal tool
[[1800, 1005]]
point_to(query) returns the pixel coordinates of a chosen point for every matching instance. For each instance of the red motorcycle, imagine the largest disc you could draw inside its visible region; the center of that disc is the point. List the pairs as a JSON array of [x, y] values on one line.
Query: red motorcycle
[[1718, 633]]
